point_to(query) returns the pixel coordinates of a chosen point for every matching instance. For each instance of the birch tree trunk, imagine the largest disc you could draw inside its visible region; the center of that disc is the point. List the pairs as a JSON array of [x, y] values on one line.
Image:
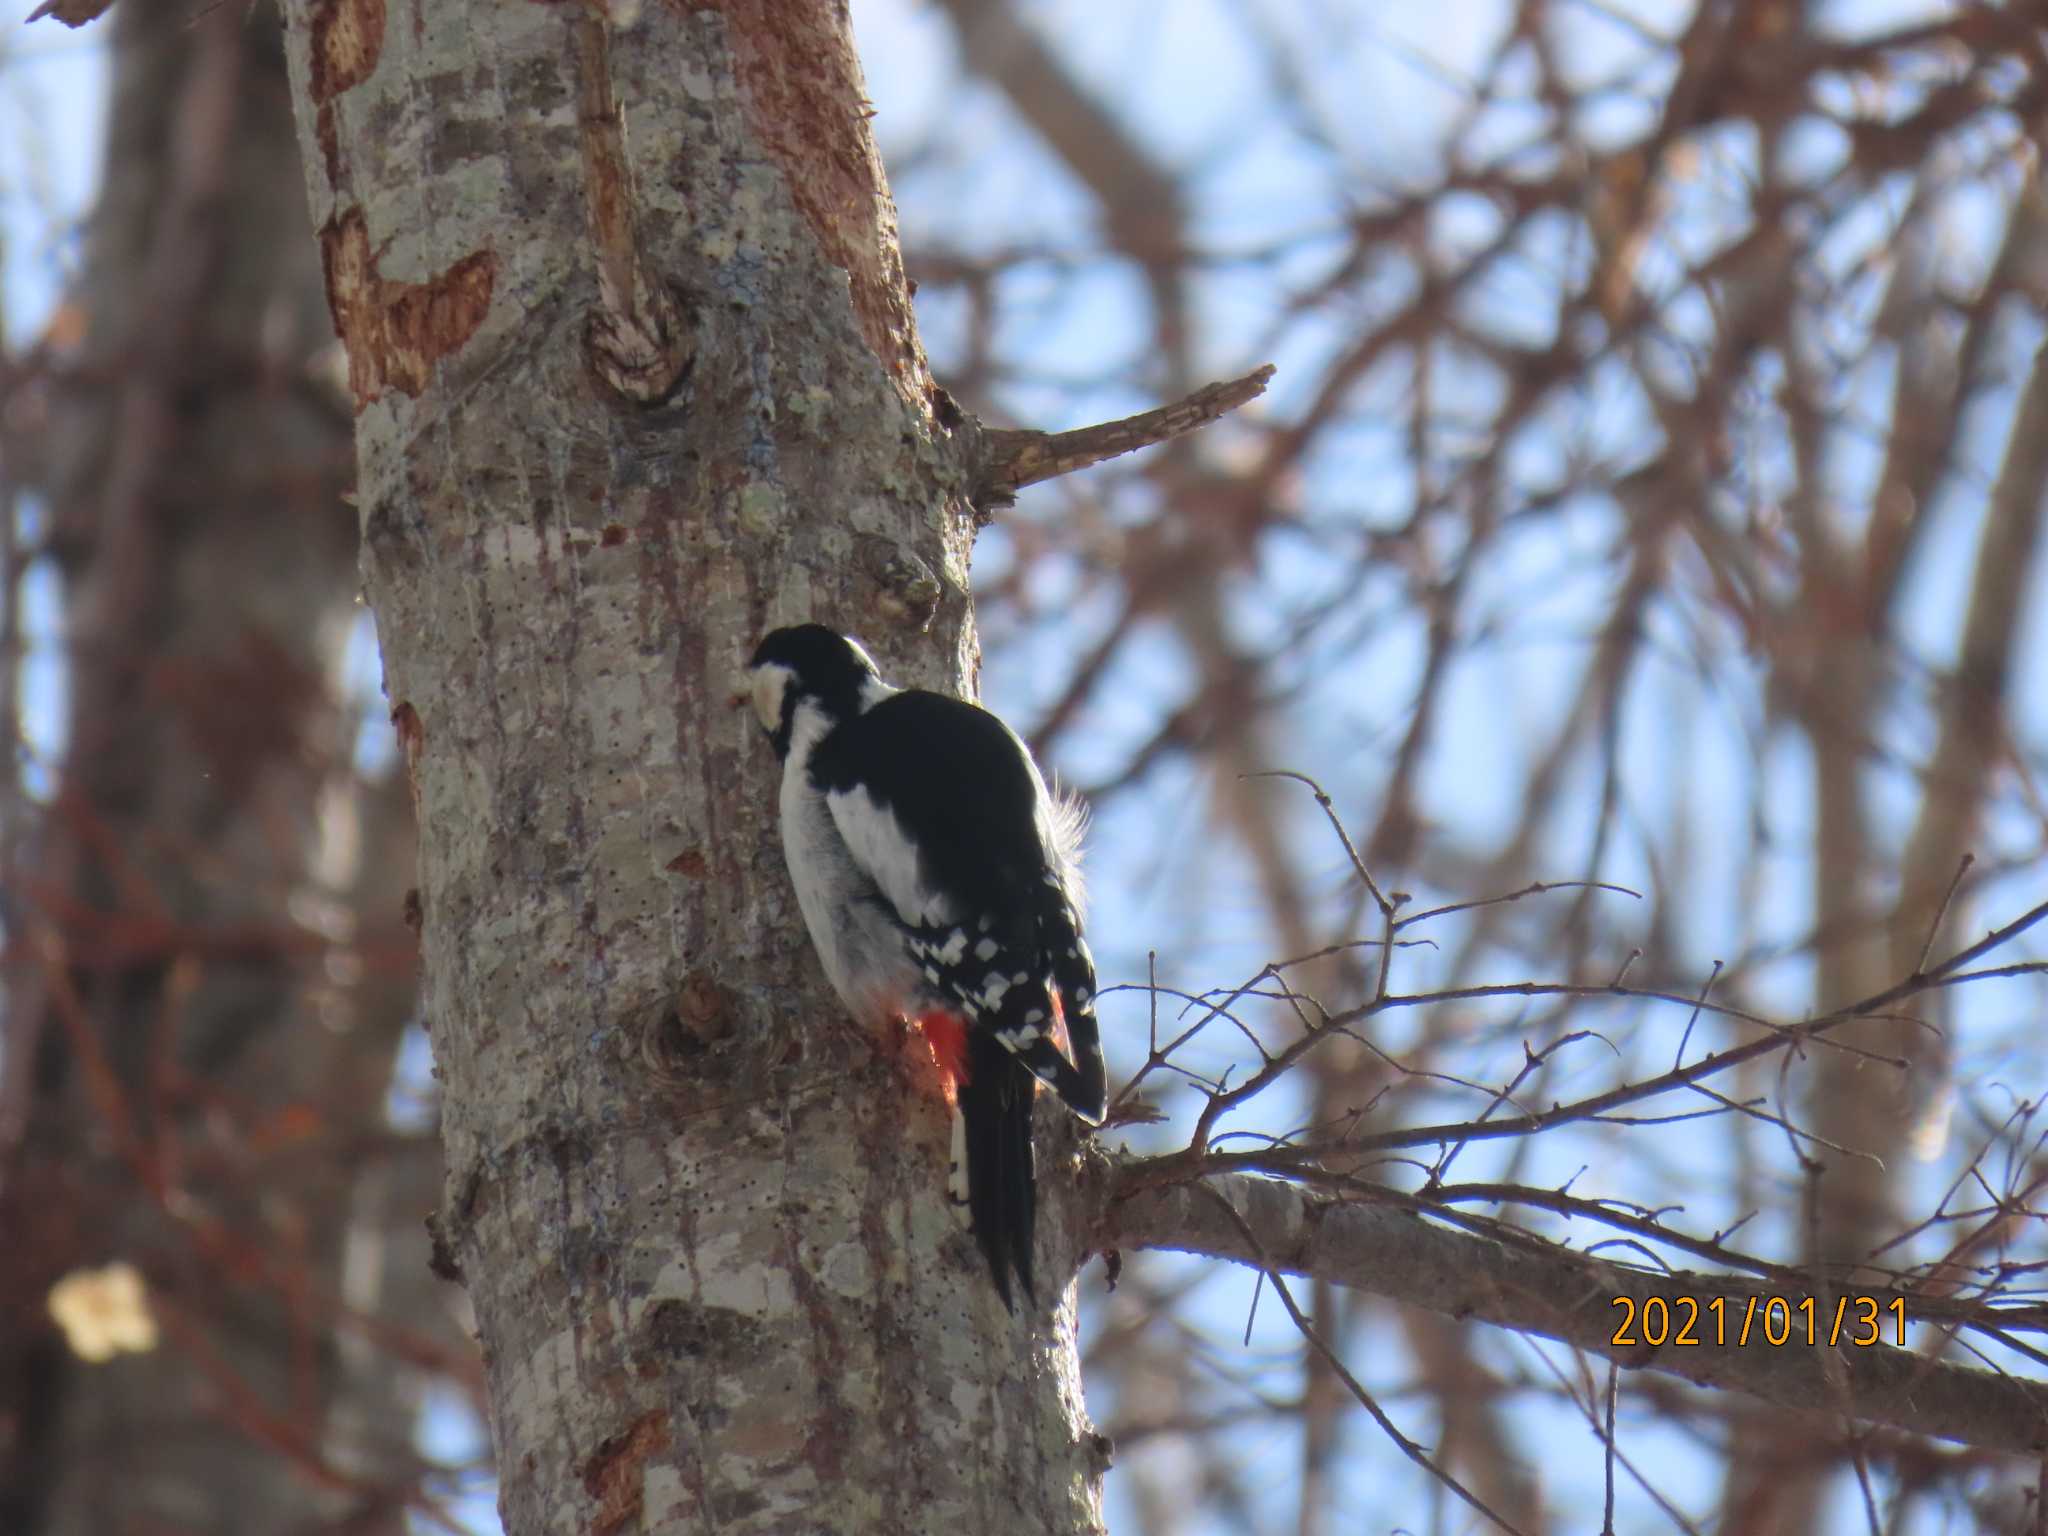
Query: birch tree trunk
[[636, 379]]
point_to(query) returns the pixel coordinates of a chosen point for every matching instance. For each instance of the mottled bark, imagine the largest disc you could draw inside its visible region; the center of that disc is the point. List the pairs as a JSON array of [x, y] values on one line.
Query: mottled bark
[[177, 1060], [636, 379]]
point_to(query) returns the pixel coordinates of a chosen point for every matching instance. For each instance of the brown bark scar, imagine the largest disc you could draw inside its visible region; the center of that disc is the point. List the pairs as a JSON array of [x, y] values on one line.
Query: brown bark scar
[[412, 738], [635, 338], [348, 39], [801, 90], [412, 735], [395, 332], [614, 1477]]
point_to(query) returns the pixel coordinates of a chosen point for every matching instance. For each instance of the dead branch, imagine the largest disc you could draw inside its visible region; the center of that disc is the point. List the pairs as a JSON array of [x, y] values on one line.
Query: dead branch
[[1543, 1289], [1013, 459]]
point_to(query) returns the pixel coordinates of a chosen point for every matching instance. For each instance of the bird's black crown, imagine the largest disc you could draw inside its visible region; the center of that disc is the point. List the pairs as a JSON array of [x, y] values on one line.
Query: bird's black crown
[[824, 661], [807, 661]]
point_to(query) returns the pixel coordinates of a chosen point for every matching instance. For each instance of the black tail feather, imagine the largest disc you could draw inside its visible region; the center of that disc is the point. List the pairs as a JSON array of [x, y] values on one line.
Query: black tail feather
[[1002, 1192], [1089, 1097]]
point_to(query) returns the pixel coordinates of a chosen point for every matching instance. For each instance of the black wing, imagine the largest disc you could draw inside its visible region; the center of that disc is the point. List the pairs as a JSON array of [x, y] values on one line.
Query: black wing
[[939, 803]]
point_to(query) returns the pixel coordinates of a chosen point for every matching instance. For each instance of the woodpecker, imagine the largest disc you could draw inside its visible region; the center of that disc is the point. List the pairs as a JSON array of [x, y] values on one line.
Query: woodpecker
[[940, 881]]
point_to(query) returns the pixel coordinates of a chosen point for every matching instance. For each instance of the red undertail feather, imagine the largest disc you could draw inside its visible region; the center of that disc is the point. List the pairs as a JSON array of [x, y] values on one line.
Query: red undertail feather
[[946, 1034]]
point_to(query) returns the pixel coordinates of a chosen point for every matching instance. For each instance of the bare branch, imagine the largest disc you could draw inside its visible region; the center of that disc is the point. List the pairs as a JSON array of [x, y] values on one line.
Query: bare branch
[[1542, 1289], [1013, 459]]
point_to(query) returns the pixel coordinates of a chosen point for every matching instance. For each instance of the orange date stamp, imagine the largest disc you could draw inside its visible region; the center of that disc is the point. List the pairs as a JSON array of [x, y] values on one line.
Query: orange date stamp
[[1777, 1321]]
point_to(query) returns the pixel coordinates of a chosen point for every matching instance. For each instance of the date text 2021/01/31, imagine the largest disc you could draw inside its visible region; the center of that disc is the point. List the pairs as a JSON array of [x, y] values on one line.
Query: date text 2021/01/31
[[1859, 1321]]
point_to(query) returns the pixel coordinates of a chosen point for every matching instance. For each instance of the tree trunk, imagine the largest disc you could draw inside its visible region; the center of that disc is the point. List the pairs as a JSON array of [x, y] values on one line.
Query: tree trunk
[[636, 380]]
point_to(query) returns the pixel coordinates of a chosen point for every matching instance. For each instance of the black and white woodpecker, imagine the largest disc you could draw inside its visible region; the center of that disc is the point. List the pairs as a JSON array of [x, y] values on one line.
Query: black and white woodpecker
[[941, 883]]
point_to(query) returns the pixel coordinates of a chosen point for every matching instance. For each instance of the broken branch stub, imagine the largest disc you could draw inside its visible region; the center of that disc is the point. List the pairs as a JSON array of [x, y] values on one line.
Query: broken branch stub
[[1012, 459]]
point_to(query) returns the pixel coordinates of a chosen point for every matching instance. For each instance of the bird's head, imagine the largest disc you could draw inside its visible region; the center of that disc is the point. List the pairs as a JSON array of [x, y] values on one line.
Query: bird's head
[[809, 665]]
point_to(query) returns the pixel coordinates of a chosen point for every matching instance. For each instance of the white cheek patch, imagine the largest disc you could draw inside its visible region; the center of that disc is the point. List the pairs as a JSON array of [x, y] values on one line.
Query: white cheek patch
[[770, 681]]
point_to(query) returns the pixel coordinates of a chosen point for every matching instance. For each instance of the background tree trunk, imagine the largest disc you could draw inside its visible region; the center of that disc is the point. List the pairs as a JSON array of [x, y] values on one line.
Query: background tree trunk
[[177, 1018], [715, 1274]]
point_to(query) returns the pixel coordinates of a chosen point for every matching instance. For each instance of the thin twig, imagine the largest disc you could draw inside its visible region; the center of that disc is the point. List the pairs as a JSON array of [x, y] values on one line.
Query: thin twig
[[1613, 1391], [1407, 1447], [1535, 888], [1330, 811], [1678, 1056], [1941, 912]]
